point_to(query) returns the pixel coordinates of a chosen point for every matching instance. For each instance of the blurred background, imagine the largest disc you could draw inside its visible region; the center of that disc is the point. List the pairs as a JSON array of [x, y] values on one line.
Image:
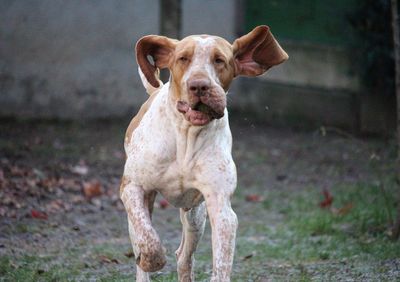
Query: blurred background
[[75, 59], [313, 139]]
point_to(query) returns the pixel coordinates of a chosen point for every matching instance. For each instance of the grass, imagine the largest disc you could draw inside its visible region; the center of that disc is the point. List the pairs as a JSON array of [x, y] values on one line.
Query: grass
[[310, 237], [287, 237], [308, 243]]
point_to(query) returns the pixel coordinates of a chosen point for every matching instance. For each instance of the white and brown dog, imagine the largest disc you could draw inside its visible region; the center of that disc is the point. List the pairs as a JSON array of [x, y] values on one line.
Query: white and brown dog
[[179, 144]]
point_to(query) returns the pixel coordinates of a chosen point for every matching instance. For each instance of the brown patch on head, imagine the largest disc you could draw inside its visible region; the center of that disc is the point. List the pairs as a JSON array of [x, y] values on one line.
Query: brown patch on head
[[183, 55], [225, 70]]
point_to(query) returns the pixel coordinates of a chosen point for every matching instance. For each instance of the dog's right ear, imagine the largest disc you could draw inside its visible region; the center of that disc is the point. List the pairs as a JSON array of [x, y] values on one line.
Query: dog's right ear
[[161, 49], [256, 52]]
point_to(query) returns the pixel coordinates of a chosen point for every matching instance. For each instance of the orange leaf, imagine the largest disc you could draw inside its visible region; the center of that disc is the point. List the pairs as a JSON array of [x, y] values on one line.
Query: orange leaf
[[92, 189], [38, 214], [343, 210], [328, 199], [254, 198]]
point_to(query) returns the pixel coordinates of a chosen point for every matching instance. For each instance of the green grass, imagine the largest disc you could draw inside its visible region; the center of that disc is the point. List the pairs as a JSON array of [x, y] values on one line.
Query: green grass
[[290, 238], [309, 236], [34, 268]]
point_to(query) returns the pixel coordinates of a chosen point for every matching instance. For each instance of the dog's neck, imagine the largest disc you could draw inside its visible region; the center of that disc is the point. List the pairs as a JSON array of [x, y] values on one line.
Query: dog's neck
[[189, 138]]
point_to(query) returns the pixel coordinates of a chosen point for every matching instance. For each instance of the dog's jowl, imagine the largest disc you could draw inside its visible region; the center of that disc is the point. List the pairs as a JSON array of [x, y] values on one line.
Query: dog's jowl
[[179, 144]]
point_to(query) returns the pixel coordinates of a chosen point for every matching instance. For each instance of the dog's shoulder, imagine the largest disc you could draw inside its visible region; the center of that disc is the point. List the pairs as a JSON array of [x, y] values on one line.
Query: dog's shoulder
[[138, 117]]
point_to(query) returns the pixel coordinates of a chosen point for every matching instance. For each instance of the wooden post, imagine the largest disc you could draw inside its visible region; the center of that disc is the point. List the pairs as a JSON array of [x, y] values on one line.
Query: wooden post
[[170, 23], [396, 41], [170, 18]]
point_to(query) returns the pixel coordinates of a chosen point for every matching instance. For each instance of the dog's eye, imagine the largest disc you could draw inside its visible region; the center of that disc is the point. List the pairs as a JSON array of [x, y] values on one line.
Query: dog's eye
[[219, 61], [183, 59]]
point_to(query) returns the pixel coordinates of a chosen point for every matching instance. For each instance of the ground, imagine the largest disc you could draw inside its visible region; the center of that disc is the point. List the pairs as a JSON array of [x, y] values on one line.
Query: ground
[[312, 206]]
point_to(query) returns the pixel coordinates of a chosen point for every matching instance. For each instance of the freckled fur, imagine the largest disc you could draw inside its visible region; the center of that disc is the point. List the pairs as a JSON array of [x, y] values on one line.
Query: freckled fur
[[191, 166]]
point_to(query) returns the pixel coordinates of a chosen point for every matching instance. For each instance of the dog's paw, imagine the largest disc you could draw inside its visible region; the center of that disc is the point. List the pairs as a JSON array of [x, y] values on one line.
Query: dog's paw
[[152, 260]]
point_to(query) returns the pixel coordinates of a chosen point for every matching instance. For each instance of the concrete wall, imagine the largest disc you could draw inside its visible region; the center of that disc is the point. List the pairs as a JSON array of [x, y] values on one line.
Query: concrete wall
[[75, 59], [316, 86], [71, 59], [209, 17]]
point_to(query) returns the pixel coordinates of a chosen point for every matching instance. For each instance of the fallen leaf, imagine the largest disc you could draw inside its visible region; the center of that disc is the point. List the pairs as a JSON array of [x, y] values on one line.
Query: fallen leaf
[[328, 199], [248, 256], [163, 203], [69, 184], [77, 199], [55, 206], [92, 189], [105, 259], [129, 254], [49, 183], [17, 171], [254, 198], [38, 214], [343, 210]]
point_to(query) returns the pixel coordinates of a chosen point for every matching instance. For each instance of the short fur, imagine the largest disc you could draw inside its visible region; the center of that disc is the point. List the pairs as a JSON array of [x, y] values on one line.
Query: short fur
[[179, 144]]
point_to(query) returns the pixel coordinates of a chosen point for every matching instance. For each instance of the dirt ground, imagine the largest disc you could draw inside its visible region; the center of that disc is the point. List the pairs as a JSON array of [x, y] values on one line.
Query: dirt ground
[[61, 218]]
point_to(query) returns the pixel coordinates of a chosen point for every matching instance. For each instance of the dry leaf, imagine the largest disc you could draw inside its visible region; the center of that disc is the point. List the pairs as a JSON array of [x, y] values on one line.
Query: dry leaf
[[105, 259], [92, 189], [254, 198], [17, 171], [55, 206], [129, 254], [343, 210], [328, 199], [38, 214], [248, 256]]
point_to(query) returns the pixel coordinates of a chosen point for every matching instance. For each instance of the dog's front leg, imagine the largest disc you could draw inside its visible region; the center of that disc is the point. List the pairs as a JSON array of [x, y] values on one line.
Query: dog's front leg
[[224, 223], [146, 243]]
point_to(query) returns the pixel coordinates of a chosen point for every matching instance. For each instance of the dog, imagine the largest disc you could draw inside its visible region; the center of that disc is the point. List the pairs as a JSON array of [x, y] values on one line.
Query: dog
[[179, 144]]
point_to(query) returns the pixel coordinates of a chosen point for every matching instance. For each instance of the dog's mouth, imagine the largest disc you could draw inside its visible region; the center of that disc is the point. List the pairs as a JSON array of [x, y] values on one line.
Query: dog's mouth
[[199, 113]]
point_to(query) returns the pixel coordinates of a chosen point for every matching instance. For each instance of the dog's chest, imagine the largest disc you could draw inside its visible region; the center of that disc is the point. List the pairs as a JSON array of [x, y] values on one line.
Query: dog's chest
[[158, 167], [172, 159]]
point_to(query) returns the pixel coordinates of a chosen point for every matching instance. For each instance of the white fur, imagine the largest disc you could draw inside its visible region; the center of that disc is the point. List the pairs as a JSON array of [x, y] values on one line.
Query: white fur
[[150, 89], [187, 164]]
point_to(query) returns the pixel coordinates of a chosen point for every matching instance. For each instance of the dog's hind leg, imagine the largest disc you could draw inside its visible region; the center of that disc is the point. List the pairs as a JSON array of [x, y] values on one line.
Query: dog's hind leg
[[193, 222], [146, 243]]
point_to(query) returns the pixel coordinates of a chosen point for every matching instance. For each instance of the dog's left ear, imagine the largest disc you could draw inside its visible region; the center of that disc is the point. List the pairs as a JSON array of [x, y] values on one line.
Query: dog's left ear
[[161, 49], [256, 52]]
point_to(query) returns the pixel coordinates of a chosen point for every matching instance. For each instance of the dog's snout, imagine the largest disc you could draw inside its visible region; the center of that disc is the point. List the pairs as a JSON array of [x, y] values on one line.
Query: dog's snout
[[199, 87]]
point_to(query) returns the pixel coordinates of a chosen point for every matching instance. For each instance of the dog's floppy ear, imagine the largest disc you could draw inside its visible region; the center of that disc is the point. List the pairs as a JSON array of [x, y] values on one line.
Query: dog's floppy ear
[[256, 52], [161, 49]]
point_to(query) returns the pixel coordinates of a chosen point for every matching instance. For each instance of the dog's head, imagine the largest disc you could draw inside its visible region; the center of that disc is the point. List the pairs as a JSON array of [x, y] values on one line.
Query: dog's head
[[202, 67]]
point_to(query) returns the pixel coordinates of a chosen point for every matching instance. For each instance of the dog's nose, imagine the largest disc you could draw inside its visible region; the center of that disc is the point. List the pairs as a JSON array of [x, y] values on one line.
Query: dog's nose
[[199, 87]]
